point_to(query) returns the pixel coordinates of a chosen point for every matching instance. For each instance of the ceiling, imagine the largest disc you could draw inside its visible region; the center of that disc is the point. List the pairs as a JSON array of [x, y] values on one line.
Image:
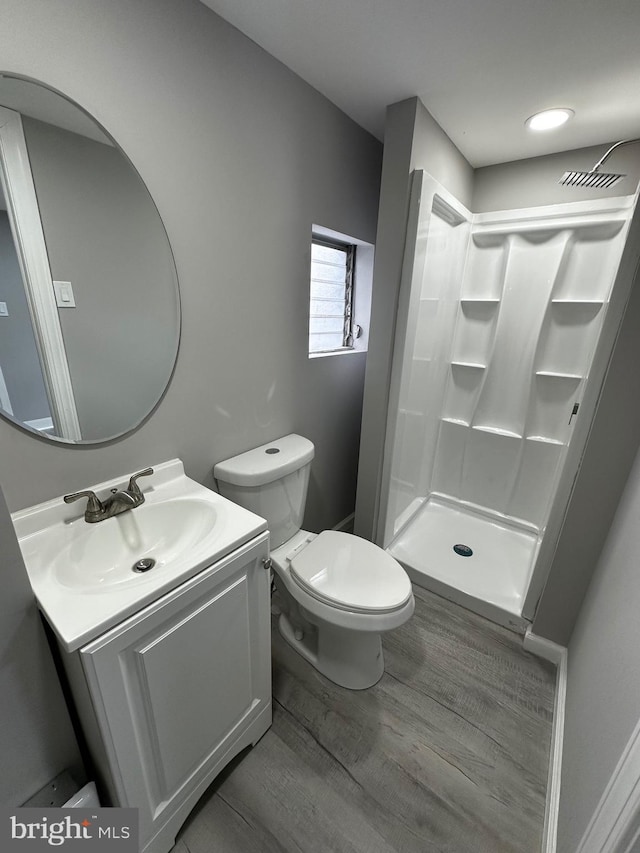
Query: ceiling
[[481, 67]]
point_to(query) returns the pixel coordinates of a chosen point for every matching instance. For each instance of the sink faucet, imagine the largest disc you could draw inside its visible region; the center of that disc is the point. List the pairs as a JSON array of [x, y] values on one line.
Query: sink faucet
[[119, 501]]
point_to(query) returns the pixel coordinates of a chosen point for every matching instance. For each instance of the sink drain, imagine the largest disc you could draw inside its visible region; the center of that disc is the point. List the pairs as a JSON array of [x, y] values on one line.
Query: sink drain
[[143, 565], [463, 550]]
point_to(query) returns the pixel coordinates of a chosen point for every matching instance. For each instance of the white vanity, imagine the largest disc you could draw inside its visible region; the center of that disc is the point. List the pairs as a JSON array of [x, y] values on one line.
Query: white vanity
[[169, 668]]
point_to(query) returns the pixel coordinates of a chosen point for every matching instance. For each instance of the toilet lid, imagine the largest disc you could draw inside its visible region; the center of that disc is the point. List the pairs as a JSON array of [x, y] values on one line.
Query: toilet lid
[[351, 573]]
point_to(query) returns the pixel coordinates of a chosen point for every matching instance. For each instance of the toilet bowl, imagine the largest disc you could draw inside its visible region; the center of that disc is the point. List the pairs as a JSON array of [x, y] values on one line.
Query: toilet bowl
[[339, 592]]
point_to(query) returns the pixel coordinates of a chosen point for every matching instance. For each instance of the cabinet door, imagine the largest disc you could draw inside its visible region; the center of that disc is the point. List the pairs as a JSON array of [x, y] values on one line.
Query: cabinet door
[[176, 686]]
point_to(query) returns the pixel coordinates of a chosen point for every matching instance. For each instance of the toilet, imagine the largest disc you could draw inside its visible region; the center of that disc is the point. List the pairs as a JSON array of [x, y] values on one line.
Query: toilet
[[339, 592]]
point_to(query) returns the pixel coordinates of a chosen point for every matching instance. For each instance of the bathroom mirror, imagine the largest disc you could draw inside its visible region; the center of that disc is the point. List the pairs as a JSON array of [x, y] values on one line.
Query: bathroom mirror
[[89, 302]]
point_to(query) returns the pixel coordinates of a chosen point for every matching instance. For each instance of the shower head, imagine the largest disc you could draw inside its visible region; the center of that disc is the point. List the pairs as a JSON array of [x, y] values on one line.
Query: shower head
[[599, 180], [594, 177]]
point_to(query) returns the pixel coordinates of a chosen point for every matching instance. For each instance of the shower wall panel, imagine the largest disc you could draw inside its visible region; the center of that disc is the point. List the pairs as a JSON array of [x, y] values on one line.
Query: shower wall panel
[[532, 303], [436, 272], [501, 332]]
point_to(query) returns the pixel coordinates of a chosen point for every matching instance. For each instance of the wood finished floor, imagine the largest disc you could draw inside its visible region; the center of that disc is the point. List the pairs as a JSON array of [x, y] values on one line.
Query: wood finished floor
[[448, 752]]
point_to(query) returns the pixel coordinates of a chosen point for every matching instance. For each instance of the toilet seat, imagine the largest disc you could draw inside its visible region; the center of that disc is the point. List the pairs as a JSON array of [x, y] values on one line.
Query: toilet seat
[[350, 573]]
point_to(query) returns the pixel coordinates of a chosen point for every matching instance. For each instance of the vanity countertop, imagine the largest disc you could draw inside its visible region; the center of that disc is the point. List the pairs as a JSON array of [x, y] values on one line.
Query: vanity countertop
[[82, 574]]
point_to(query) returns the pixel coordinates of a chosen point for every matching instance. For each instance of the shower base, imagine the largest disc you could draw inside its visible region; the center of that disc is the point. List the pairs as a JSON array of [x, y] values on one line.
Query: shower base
[[493, 581]]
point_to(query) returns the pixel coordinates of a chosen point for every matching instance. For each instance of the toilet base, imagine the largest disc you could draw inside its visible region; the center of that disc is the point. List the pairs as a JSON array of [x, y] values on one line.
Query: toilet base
[[351, 659]]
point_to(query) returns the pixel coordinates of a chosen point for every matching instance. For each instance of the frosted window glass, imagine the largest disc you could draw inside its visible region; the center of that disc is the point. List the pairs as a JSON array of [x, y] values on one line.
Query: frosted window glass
[[322, 290], [321, 343], [328, 253], [326, 324], [327, 308], [329, 272], [330, 297]]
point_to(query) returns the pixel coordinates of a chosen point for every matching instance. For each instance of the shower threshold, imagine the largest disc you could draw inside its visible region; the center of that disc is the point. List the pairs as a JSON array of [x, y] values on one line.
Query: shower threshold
[[491, 581]]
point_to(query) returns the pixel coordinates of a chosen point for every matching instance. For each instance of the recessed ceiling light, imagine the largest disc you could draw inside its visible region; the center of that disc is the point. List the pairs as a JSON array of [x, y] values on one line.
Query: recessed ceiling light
[[549, 119]]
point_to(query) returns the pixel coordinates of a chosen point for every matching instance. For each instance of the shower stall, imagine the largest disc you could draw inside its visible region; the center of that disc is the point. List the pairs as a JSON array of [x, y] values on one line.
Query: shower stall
[[499, 319]]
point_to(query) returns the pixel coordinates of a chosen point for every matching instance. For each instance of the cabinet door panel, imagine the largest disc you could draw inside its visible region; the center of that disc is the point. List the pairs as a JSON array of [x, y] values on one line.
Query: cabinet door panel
[[195, 681], [176, 685]]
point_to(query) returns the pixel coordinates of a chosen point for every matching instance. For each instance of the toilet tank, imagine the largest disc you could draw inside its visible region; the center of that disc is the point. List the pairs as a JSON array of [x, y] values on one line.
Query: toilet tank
[[271, 481]]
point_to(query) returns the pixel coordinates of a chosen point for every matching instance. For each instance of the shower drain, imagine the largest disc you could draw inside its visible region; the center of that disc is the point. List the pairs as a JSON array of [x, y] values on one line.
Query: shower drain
[[143, 565], [463, 550]]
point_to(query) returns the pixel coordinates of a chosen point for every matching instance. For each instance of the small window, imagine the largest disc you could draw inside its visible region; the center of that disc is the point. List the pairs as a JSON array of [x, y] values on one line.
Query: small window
[[331, 301]]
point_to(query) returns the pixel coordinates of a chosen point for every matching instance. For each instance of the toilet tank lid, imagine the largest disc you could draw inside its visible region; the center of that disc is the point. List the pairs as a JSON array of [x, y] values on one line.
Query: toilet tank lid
[[266, 463]]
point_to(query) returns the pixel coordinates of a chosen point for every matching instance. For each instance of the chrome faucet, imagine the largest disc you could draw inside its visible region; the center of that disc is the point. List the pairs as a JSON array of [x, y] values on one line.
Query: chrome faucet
[[119, 501]]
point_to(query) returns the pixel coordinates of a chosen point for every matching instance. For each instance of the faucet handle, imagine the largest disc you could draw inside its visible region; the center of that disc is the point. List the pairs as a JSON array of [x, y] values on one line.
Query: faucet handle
[[133, 486], [94, 504]]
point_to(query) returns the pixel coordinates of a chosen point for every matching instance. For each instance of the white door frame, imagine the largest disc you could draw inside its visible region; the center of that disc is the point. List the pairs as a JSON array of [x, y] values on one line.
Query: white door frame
[[26, 225], [5, 402], [615, 824]]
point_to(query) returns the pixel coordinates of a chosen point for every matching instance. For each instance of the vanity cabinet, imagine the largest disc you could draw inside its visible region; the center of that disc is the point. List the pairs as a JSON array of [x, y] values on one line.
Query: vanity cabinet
[[167, 697]]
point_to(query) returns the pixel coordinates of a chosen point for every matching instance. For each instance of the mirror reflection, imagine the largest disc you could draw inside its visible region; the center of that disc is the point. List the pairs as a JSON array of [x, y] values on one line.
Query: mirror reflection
[[89, 305]]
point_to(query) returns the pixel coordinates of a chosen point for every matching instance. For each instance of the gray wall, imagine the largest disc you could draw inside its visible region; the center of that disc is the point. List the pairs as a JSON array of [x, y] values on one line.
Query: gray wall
[[241, 158], [36, 738], [104, 235], [532, 182], [18, 354], [434, 152], [603, 691], [413, 140]]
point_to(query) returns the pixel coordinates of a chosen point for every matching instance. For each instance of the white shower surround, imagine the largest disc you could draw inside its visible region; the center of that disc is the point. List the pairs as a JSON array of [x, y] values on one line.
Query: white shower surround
[[498, 322]]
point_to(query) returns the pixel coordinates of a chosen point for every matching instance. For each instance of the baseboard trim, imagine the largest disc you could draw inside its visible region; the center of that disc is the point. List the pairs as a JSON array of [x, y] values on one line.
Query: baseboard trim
[[543, 648], [557, 654], [346, 525]]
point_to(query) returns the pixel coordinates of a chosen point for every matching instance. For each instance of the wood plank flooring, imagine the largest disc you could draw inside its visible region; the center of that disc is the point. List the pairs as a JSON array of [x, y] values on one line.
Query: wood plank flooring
[[448, 753]]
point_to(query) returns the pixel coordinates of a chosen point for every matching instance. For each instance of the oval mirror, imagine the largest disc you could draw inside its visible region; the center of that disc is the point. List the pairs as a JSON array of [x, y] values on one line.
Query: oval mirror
[[89, 303]]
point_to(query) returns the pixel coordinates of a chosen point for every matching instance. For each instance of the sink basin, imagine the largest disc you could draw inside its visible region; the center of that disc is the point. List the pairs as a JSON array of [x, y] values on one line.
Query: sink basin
[[82, 574], [105, 554]]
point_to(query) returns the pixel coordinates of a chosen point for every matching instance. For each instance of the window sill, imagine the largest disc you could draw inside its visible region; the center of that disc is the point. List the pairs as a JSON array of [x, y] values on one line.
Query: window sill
[[344, 351]]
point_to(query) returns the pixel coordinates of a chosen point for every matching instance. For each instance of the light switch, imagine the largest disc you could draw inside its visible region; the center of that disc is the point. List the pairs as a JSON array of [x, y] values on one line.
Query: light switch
[[64, 294], [4, 311]]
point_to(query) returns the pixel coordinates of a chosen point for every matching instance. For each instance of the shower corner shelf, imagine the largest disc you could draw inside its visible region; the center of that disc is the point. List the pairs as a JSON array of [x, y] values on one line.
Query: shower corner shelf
[[589, 308], [494, 430], [569, 301], [474, 365], [543, 439], [490, 237], [479, 307], [552, 374], [456, 421]]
